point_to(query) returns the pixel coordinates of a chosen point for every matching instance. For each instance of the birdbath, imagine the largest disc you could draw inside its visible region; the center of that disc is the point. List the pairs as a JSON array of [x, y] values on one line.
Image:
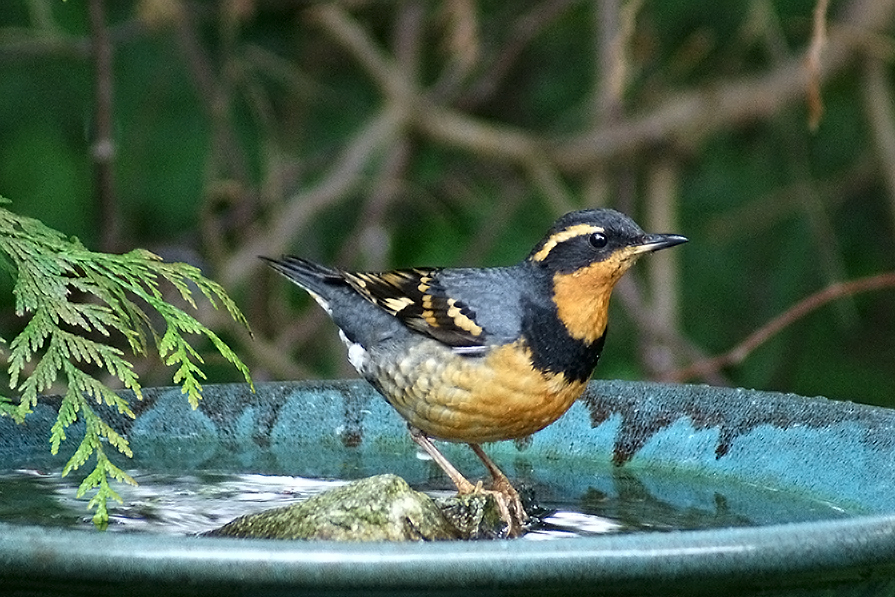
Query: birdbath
[[643, 489]]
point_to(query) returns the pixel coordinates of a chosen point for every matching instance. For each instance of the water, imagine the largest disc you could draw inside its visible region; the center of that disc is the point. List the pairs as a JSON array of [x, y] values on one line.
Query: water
[[618, 501]]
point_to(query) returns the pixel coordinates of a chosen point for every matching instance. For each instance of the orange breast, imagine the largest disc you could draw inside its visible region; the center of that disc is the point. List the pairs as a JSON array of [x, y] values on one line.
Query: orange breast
[[474, 399]]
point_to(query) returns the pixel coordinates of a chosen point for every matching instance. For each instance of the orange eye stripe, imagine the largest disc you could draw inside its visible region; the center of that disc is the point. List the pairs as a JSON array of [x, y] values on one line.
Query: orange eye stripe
[[562, 236]]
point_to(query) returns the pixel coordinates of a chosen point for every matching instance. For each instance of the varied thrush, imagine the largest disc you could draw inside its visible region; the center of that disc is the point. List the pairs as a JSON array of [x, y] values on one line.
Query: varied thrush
[[479, 355]]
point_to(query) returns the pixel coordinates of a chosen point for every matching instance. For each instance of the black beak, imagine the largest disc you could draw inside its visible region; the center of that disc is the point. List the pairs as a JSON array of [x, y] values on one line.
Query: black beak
[[654, 242]]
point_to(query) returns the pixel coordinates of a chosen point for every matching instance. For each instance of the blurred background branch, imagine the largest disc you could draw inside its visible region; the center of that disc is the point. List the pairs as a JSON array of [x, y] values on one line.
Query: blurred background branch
[[738, 353], [374, 135], [103, 150]]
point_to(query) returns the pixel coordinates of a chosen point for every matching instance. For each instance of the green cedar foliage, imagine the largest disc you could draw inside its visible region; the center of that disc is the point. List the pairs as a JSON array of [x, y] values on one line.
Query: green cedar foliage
[[64, 338]]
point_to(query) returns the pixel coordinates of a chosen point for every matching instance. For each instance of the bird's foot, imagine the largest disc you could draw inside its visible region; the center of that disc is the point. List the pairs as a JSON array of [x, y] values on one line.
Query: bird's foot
[[508, 503], [514, 502], [505, 495], [508, 500]]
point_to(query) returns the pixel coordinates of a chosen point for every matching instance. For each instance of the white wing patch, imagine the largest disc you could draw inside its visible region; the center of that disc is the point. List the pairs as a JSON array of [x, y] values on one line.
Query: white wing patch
[[357, 354]]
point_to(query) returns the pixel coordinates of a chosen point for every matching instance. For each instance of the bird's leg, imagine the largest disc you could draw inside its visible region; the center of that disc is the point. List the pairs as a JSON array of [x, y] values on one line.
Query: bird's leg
[[423, 441], [505, 496], [501, 485]]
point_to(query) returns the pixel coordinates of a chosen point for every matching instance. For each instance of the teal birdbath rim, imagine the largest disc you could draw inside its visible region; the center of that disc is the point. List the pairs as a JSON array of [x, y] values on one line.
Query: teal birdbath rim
[[836, 453]]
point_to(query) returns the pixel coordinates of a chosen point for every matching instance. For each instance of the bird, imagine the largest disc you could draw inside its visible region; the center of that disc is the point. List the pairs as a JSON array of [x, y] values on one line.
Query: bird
[[478, 355]]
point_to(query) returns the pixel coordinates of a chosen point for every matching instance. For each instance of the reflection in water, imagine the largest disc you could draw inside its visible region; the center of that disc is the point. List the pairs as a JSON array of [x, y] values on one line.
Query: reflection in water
[[634, 506]]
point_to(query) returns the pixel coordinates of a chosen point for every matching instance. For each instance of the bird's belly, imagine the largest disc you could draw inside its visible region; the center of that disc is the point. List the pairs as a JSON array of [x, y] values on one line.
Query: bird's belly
[[472, 399]]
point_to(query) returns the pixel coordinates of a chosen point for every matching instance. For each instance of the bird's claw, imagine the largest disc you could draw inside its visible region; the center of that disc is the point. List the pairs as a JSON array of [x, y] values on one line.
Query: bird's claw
[[509, 505]]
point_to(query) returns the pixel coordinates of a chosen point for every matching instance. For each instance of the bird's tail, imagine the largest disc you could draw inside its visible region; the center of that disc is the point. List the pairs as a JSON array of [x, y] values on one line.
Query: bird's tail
[[311, 276], [360, 320]]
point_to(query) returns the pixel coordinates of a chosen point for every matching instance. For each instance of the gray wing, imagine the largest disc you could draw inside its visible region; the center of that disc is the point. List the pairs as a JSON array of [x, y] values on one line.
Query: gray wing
[[467, 309], [491, 297]]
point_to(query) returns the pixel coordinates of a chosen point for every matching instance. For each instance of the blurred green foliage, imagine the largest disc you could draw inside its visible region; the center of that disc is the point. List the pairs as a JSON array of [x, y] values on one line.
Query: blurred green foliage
[[225, 112]]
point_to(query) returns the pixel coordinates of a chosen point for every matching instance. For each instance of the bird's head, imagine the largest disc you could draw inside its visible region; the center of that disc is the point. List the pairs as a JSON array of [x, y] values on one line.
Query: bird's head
[[587, 252]]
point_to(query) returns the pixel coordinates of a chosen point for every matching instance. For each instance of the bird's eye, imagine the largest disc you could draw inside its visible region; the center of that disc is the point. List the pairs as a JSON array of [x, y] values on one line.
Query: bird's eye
[[598, 240]]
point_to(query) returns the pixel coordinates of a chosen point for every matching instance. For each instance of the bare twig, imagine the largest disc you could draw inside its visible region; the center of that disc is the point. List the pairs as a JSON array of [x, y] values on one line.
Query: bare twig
[[211, 96], [103, 149], [368, 244], [616, 21], [485, 139], [601, 184], [632, 299], [813, 62], [409, 36], [379, 133], [41, 14], [664, 268], [610, 184], [879, 104], [22, 44], [436, 120], [378, 65], [738, 353], [656, 310], [369, 240], [497, 141], [692, 115], [525, 29], [270, 356], [513, 192], [462, 46], [798, 166], [548, 180], [786, 202]]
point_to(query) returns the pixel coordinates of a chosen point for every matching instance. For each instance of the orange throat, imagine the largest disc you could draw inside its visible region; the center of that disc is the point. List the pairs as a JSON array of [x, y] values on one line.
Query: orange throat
[[582, 297]]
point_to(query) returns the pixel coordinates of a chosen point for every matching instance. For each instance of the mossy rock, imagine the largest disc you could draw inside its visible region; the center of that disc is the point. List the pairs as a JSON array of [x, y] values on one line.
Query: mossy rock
[[379, 508]]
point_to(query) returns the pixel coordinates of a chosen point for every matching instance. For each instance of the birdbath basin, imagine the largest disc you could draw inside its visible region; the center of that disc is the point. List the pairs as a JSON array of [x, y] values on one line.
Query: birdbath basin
[[703, 491]]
